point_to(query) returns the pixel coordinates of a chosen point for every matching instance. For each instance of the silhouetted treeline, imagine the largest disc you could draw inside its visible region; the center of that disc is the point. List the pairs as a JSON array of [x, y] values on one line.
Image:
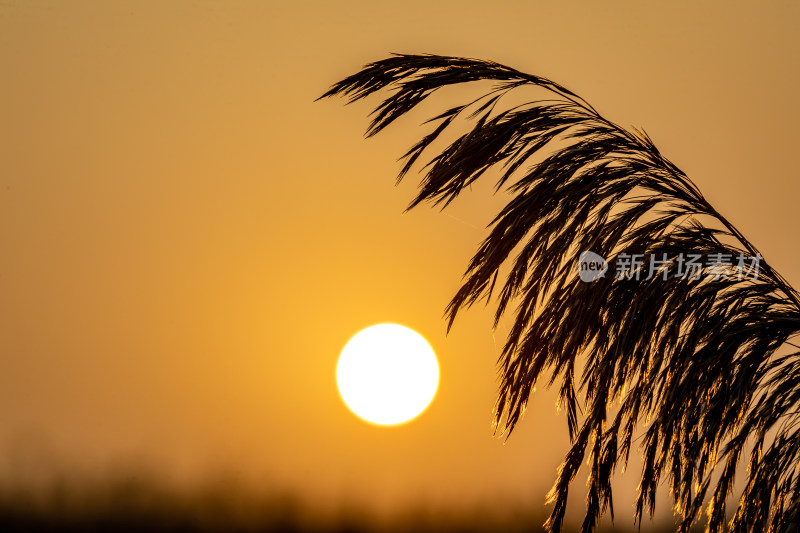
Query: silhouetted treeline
[[135, 504]]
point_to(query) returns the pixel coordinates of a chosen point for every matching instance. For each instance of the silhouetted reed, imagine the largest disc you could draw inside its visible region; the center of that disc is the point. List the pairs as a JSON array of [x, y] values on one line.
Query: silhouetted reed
[[690, 364]]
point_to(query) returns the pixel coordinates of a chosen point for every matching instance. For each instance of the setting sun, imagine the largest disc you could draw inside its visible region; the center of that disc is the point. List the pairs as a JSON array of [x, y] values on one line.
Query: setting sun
[[387, 374]]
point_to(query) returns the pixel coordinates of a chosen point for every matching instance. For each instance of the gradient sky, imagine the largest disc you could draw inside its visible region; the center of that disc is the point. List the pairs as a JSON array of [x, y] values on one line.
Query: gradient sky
[[187, 240]]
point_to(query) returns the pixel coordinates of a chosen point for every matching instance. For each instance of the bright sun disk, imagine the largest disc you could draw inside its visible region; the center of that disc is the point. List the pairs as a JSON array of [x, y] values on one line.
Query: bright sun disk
[[387, 374]]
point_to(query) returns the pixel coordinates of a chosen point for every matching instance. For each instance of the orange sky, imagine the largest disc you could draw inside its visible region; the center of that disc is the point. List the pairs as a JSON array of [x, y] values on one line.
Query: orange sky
[[187, 240]]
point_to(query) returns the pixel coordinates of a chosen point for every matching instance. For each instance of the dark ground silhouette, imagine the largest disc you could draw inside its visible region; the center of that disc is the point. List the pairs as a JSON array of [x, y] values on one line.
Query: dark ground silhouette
[[130, 503]]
